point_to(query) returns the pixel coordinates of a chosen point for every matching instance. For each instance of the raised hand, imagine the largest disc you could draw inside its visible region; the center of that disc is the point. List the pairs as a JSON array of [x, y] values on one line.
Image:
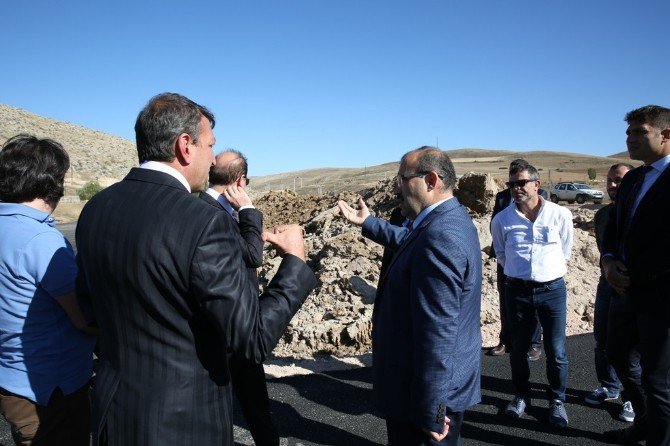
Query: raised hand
[[287, 239], [354, 216]]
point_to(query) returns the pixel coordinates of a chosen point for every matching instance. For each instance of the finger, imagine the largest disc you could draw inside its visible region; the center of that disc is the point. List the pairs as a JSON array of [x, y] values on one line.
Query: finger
[[361, 203], [270, 237]]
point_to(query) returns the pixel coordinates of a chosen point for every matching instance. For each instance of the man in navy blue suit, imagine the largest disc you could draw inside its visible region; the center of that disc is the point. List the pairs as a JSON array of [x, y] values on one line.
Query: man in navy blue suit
[[426, 338]]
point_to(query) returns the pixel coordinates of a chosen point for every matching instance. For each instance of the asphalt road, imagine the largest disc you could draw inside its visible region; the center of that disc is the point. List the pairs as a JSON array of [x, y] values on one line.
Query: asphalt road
[[334, 408]]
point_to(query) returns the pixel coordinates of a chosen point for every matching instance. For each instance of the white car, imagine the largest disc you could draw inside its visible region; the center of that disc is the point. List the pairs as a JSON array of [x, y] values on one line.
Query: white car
[[579, 192]]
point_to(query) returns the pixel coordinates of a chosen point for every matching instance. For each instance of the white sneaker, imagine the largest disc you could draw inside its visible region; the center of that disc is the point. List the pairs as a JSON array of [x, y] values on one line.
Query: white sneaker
[[627, 413]]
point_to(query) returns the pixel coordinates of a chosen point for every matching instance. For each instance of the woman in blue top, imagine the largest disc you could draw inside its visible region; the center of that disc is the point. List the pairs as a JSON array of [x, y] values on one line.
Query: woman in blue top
[[45, 345]]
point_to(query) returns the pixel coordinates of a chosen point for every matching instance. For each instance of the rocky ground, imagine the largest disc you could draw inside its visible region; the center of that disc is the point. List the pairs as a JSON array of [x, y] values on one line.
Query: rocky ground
[[335, 319]]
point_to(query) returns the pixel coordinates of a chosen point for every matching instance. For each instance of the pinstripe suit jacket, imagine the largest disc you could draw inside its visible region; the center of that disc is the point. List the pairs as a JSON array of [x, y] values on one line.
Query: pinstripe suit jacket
[[426, 339], [161, 272]]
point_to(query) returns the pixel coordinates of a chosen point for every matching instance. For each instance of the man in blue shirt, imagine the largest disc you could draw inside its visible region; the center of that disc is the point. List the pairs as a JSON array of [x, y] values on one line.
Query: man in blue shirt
[[46, 349]]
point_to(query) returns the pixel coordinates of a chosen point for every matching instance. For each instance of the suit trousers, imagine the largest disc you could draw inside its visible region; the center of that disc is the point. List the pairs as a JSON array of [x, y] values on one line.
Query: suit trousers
[[406, 433], [251, 390], [647, 329], [504, 326]]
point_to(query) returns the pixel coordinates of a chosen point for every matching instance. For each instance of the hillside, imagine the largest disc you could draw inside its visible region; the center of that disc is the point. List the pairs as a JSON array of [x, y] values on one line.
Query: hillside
[[99, 156], [94, 155]]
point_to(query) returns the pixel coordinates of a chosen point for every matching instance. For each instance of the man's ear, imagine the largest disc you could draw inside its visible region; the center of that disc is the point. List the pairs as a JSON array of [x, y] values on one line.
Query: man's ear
[[183, 149], [431, 180], [666, 133]]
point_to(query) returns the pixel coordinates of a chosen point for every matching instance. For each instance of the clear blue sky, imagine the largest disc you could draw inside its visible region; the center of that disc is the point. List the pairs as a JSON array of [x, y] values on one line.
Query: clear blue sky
[[298, 84]]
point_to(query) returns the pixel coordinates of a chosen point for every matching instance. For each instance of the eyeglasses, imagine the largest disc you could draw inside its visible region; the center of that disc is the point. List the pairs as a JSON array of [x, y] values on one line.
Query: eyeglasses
[[400, 177], [518, 183], [246, 179]]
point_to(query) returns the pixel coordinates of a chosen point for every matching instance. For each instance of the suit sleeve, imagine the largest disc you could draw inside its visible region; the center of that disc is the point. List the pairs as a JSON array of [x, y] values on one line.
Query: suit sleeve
[[251, 228], [498, 239], [383, 232], [220, 282], [437, 282]]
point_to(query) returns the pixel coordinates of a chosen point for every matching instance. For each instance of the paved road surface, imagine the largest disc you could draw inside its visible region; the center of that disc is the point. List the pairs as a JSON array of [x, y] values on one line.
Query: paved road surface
[[334, 408]]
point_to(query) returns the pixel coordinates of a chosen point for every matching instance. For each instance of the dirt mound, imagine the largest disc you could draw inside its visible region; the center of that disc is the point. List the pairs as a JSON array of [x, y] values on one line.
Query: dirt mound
[[336, 317]]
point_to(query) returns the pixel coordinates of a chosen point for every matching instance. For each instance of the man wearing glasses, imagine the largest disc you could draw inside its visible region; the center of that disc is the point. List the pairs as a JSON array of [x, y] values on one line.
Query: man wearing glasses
[[533, 240], [426, 337], [227, 182]]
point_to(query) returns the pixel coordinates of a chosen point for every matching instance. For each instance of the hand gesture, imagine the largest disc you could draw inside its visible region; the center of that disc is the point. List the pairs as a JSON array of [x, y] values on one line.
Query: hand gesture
[[287, 239], [616, 275], [354, 216], [236, 196]]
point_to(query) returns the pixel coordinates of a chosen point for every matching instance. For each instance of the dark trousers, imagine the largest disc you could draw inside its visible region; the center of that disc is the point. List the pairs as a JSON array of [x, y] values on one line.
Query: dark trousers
[[504, 326], [64, 421], [251, 391], [548, 302], [646, 328], [605, 372], [406, 433]]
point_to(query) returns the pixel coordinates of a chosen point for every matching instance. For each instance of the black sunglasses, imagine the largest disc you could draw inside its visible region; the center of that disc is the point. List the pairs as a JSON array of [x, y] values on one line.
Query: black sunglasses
[[246, 179], [518, 183], [400, 177]]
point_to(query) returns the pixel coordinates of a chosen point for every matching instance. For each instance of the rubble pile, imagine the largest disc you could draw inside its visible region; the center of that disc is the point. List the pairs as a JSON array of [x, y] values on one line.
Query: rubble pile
[[336, 317]]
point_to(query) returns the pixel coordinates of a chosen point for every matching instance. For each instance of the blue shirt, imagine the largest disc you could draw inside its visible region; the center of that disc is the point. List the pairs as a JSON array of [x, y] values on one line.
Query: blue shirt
[[40, 348]]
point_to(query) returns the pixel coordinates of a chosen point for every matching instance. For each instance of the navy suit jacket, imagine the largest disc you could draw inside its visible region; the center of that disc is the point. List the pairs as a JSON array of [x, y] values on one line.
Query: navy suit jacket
[[647, 245], [161, 273], [426, 337]]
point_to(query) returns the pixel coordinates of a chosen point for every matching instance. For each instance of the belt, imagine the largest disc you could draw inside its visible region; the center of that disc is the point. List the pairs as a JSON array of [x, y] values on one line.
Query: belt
[[531, 283]]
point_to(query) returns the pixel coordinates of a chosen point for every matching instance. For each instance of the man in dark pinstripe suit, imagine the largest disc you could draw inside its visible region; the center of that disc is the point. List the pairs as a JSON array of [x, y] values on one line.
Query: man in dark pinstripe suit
[[161, 274]]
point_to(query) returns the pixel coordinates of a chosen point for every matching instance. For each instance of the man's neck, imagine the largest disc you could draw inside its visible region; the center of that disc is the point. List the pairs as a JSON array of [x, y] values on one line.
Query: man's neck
[[530, 208], [218, 187]]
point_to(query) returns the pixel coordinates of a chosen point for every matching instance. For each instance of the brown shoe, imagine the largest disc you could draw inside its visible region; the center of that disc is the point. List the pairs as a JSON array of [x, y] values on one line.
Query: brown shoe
[[498, 350], [534, 353]]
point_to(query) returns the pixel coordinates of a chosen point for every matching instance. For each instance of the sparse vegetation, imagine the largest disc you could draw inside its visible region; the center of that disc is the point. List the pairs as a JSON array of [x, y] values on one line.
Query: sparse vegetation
[[88, 190], [592, 173]]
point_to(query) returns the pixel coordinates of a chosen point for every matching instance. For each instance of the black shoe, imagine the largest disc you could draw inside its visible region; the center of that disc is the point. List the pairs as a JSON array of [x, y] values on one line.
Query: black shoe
[[498, 350], [534, 353], [629, 435]]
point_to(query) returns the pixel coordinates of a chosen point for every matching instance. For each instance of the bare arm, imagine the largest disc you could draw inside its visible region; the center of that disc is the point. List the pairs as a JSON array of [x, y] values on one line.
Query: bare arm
[[69, 304]]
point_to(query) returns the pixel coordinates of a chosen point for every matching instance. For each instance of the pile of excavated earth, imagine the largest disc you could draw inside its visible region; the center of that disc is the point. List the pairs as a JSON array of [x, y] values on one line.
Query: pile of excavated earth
[[336, 317]]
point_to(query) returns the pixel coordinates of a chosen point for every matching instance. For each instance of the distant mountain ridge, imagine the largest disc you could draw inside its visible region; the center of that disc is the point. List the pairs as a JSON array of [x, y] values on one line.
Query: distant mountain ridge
[[106, 158], [94, 155]]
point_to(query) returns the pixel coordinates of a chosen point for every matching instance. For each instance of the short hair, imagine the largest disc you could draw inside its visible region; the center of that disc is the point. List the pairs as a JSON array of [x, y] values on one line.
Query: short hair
[[32, 168], [518, 162], [219, 176], [654, 115], [518, 168], [162, 120], [432, 159], [620, 165]]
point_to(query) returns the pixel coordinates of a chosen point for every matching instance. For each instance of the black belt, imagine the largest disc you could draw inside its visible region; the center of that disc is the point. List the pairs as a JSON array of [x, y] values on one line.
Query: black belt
[[531, 283]]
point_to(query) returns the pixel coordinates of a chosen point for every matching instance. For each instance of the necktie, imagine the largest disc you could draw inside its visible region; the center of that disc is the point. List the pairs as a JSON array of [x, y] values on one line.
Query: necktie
[[627, 211], [233, 212]]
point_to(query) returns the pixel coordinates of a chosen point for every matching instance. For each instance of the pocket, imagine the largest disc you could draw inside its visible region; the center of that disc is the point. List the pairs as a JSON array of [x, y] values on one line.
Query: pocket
[[549, 235]]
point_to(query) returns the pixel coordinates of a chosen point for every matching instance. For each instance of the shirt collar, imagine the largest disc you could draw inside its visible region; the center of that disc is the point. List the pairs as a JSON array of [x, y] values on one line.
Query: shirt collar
[[162, 167], [423, 214], [221, 199], [27, 211], [661, 164]]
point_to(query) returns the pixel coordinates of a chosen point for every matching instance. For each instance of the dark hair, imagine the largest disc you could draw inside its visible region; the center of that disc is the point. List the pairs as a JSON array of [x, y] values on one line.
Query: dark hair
[[654, 115], [620, 165], [219, 176], [32, 168], [432, 159], [518, 168], [162, 120], [518, 162]]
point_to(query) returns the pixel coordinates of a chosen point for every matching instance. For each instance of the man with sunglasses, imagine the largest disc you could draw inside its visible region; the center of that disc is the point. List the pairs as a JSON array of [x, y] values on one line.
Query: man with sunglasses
[[227, 182], [533, 240], [502, 201]]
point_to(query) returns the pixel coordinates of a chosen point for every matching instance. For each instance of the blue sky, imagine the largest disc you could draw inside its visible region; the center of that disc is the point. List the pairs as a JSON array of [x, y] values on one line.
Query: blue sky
[[298, 84]]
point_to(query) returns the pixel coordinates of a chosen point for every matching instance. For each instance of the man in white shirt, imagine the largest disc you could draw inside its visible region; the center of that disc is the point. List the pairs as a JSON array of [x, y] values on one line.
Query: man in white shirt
[[532, 240]]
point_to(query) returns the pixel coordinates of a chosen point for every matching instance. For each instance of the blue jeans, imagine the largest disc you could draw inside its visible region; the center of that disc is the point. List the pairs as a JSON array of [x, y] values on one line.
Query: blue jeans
[[548, 300], [605, 373]]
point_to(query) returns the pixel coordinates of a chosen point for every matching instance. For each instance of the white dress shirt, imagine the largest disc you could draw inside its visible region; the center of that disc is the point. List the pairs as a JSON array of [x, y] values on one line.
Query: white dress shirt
[[536, 250], [226, 204], [161, 167]]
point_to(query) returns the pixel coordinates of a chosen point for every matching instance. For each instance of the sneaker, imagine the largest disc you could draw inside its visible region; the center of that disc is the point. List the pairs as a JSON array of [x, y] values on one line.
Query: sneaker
[[627, 413], [516, 408], [600, 395], [534, 353], [558, 417]]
